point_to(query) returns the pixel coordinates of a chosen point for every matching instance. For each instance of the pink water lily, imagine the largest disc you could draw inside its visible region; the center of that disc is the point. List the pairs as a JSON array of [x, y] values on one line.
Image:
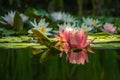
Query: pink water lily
[[78, 42], [75, 45], [62, 42], [109, 27]]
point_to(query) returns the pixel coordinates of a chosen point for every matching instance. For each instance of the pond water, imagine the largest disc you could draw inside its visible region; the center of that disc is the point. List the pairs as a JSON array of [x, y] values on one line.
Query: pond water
[[17, 62]]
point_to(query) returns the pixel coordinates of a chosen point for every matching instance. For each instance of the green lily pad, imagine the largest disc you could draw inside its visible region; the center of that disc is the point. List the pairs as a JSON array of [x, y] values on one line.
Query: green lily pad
[[105, 38], [14, 39], [106, 46], [101, 42], [21, 45]]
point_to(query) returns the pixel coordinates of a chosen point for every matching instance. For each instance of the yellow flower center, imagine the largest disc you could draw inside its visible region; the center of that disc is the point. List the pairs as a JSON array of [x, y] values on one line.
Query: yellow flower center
[[94, 22], [42, 29], [62, 41], [85, 28]]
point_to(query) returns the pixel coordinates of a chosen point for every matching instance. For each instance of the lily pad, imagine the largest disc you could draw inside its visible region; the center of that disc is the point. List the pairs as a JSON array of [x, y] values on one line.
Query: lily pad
[[106, 46], [101, 42], [14, 39], [105, 38], [21, 45]]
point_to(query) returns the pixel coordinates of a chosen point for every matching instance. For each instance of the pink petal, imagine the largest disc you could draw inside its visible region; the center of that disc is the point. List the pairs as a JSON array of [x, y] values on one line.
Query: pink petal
[[61, 54], [57, 37], [77, 58], [67, 35], [83, 57], [88, 43], [83, 37], [57, 44], [60, 32], [90, 50], [71, 57], [73, 41], [66, 47], [68, 55]]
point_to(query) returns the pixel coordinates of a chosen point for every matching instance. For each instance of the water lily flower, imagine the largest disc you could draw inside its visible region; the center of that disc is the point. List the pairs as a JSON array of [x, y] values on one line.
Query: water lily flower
[[66, 25], [74, 43], [79, 46], [24, 17], [41, 26], [62, 40], [86, 28], [62, 16], [109, 27], [90, 22], [9, 18], [68, 18], [57, 16]]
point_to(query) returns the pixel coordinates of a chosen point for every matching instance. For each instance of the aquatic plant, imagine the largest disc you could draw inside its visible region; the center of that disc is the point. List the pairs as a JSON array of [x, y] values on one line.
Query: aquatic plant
[[62, 16], [109, 28], [73, 42], [9, 18], [92, 24], [41, 26], [67, 24]]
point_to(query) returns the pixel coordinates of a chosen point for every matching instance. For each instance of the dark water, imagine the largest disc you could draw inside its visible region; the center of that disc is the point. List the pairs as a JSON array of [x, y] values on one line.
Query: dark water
[[21, 64]]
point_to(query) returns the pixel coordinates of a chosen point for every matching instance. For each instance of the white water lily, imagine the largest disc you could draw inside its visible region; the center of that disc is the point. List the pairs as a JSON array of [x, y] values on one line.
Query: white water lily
[[87, 21], [42, 26], [86, 28], [24, 17], [74, 25], [68, 18], [62, 16], [91, 22], [9, 18], [57, 16]]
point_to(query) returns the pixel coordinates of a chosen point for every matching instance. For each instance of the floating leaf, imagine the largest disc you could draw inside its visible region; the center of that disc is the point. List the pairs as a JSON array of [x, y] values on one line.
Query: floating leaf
[[42, 38]]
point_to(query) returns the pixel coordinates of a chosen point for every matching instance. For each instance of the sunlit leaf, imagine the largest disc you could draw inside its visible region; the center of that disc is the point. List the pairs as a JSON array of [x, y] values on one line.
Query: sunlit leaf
[[42, 38]]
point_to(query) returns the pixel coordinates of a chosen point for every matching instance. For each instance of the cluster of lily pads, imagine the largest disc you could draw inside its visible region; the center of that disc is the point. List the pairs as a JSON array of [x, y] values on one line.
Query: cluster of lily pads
[[70, 32]]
